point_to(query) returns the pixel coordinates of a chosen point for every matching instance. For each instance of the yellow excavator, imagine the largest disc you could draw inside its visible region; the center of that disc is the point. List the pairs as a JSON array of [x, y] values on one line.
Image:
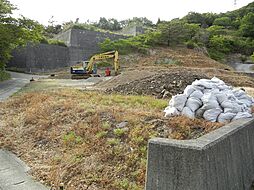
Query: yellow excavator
[[88, 69]]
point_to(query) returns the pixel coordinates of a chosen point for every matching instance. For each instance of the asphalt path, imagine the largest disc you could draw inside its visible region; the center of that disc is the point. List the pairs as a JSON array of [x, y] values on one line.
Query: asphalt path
[[18, 80], [246, 68]]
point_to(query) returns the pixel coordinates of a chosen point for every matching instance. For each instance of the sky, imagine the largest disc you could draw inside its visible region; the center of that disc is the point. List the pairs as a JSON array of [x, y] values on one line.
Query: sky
[[66, 10]]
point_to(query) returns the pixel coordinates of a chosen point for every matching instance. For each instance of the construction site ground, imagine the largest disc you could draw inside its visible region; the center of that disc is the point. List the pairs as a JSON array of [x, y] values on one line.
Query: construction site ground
[[92, 134]]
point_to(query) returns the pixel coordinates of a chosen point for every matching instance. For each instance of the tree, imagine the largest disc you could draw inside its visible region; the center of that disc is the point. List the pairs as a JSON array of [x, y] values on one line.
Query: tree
[[177, 32], [52, 29], [223, 21], [15, 32], [247, 25], [204, 20]]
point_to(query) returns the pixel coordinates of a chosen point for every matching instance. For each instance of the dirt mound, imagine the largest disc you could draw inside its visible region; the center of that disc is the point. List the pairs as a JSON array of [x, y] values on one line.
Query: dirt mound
[[162, 85], [125, 77]]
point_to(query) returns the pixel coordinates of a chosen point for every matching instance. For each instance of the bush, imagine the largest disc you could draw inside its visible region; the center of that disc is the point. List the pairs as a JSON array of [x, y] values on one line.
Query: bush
[[252, 57], [216, 55], [133, 44], [123, 46], [190, 44], [57, 42], [4, 75], [53, 42]]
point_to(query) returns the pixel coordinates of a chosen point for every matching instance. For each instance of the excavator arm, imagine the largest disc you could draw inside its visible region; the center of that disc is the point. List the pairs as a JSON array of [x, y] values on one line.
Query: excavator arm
[[102, 56]]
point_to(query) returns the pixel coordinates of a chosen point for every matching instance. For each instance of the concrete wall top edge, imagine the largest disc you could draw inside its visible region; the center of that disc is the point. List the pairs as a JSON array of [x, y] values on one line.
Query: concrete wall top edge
[[207, 140], [84, 30]]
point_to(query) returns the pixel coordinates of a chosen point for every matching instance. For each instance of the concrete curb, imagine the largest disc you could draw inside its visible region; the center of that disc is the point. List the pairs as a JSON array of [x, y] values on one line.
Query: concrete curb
[[220, 160], [13, 174]]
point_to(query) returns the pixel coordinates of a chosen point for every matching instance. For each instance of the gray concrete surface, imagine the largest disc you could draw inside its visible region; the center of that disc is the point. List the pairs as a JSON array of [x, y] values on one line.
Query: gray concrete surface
[[81, 44], [39, 58], [13, 174], [220, 160], [9, 87], [247, 68]]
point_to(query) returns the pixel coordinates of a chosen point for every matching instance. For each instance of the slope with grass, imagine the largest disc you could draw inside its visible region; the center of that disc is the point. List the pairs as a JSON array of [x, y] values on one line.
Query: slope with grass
[[74, 136]]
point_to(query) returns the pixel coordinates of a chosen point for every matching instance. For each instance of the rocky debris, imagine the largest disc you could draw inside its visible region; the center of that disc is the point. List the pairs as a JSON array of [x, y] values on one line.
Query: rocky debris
[[122, 124], [163, 85]]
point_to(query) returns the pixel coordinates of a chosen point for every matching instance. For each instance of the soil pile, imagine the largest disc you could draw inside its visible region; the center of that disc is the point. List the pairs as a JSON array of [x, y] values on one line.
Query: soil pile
[[162, 85]]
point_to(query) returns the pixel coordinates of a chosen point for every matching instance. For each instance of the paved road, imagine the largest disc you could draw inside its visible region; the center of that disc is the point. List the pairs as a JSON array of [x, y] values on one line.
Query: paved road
[[246, 68], [13, 172], [9, 87]]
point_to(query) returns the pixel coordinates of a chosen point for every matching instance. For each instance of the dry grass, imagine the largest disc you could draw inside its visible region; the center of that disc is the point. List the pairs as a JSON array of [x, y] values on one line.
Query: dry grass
[[71, 136]]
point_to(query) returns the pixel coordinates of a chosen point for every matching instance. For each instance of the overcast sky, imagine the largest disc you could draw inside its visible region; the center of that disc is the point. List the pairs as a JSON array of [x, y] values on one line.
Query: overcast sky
[[66, 10]]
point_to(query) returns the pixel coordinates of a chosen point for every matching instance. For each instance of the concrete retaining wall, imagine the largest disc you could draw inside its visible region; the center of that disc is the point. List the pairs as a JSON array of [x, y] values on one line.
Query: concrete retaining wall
[[220, 160], [40, 58], [81, 45], [84, 43]]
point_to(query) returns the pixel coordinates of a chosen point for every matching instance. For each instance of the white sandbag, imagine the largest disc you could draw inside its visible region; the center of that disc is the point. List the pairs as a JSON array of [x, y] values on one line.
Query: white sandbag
[[232, 106], [208, 97], [217, 80], [213, 91], [197, 94], [200, 112], [209, 101], [242, 115], [226, 117], [222, 87], [189, 90], [212, 114], [221, 97], [246, 102], [178, 101], [171, 111], [188, 113], [203, 83], [193, 103], [238, 93]]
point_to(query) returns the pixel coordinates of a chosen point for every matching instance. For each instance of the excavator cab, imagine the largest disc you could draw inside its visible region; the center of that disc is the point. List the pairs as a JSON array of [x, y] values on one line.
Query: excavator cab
[[80, 68]]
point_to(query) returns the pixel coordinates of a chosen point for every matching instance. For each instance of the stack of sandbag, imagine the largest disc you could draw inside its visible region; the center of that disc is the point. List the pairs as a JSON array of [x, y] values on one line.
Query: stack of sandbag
[[212, 100]]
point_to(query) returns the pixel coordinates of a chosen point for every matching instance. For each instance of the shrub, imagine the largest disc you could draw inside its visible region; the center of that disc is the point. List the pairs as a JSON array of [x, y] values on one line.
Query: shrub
[[4, 75], [71, 139], [119, 132], [252, 57], [133, 44], [53, 42], [113, 141], [57, 42], [190, 44]]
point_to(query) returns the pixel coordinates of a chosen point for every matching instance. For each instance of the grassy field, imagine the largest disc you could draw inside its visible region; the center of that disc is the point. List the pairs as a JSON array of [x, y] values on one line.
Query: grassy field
[[73, 136]]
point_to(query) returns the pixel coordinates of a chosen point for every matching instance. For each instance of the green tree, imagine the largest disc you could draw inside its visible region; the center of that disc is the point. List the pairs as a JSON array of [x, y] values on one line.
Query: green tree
[[177, 32], [204, 20], [223, 21], [247, 25], [15, 32]]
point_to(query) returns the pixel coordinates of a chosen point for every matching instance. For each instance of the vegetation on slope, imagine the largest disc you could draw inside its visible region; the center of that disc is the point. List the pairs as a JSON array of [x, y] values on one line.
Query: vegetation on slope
[[220, 34], [74, 137]]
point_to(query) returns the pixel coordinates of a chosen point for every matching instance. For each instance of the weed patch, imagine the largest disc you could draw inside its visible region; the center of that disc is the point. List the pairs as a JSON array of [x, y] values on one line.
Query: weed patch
[[74, 137]]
